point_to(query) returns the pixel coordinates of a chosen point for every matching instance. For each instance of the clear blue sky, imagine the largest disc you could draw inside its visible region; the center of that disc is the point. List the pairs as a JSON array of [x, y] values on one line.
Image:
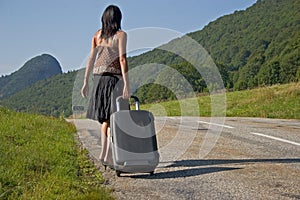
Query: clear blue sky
[[64, 28]]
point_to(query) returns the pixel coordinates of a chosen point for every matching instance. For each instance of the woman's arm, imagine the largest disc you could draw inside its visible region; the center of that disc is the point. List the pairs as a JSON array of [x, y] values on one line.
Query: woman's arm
[[123, 63], [89, 67]]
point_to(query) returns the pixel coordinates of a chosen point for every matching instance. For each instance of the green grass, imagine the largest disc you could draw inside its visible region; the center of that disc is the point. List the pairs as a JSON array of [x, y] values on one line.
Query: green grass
[[40, 159], [278, 101]]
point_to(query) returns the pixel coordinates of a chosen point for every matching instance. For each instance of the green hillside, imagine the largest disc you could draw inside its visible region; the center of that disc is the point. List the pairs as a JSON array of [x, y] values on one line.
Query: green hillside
[[52, 96], [253, 48], [277, 101], [38, 68], [259, 46]]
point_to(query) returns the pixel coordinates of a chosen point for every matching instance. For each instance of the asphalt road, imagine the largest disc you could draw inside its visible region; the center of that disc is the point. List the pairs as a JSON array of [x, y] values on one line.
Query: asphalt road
[[205, 158]]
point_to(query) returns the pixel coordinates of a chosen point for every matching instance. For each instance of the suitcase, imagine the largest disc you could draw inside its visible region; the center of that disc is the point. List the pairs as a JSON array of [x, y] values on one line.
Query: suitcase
[[133, 140]]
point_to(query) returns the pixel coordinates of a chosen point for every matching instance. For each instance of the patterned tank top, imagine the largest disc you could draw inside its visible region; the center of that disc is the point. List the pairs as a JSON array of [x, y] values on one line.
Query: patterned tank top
[[107, 59]]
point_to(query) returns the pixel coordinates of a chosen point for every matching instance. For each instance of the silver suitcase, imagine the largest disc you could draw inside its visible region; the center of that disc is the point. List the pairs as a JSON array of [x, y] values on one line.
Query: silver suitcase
[[133, 141]]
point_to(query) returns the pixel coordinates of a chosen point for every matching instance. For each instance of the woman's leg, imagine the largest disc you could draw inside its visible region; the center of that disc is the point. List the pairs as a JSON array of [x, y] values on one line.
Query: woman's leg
[[108, 156], [104, 130]]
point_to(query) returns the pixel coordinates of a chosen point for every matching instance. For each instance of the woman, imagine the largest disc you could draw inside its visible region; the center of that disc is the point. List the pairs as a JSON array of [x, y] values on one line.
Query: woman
[[109, 64]]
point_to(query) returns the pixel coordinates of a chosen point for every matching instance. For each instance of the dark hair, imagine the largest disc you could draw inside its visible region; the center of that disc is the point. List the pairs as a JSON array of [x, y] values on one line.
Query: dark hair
[[111, 21]]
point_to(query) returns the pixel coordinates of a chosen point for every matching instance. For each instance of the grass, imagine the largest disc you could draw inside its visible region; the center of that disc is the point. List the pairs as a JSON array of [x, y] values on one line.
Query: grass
[[278, 101], [40, 158]]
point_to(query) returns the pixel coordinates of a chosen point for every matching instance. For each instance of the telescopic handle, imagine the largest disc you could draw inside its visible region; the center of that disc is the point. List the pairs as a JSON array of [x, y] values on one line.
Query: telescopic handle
[[137, 102]]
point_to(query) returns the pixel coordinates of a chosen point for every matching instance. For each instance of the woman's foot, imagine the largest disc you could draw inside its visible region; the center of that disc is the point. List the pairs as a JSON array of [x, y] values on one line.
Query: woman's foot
[[103, 163], [109, 163]]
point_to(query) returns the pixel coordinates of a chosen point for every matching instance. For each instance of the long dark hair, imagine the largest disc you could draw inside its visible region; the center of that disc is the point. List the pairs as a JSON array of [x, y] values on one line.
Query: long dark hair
[[111, 21]]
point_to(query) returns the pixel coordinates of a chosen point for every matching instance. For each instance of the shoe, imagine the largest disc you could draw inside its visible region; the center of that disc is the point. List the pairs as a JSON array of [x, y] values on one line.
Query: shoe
[[103, 163]]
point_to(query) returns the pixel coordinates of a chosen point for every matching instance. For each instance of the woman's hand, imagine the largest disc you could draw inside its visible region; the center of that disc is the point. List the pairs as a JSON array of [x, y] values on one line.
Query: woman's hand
[[85, 90], [125, 92]]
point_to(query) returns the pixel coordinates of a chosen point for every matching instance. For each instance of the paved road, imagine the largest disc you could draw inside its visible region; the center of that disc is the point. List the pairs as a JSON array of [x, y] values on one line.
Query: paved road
[[203, 158]]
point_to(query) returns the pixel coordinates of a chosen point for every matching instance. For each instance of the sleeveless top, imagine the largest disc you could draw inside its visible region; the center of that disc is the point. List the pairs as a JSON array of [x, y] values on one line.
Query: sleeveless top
[[107, 60]]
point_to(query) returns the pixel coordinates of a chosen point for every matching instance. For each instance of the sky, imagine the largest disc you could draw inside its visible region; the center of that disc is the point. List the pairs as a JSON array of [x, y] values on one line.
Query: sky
[[64, 28]]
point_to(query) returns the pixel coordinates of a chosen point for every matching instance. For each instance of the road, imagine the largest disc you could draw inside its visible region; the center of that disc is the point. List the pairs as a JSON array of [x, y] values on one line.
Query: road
[[203, 158]]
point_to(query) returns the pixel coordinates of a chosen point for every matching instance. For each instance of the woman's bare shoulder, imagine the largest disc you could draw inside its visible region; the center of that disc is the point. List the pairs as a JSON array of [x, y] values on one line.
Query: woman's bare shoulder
[[96, 38], [97, 33], [121, 33]]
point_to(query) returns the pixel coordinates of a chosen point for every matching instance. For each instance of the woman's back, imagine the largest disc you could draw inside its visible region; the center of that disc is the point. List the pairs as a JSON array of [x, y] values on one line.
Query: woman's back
[[107, 56]]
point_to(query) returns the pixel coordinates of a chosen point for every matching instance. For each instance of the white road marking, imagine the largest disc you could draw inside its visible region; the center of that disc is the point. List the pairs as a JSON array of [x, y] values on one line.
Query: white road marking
[[276, 138], [225, 126]]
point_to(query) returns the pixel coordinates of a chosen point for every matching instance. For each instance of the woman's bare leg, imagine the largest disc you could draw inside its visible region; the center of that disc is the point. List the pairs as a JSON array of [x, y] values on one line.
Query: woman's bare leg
[[104, 130], [108, 156]]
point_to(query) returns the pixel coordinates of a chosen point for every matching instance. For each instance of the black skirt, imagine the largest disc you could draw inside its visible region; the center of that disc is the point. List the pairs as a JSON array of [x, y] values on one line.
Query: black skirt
[[107, 87]]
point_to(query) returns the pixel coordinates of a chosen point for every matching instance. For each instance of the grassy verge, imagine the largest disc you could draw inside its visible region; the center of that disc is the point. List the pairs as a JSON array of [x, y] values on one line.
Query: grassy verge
[[40, 159], [278, 101]]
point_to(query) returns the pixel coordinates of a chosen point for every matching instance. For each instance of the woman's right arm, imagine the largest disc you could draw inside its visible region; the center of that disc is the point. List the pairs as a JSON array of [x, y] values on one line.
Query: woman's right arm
[[89, 67]]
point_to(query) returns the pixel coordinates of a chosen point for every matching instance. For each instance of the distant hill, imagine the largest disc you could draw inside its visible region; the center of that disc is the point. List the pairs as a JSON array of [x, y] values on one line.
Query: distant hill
[[38, 68], [52, 96], [259, 46]]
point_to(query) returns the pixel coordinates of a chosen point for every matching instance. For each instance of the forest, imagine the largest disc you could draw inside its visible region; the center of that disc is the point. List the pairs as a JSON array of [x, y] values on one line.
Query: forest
[[252, 48]]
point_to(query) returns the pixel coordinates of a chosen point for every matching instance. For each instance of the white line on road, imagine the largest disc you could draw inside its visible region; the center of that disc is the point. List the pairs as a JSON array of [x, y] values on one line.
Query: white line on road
[[225, 126], [276, 138]]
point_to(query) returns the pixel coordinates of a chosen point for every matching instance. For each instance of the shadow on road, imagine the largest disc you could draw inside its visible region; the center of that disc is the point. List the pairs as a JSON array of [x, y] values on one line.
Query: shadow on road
[[184, 173], [207, 170], [194, 163]]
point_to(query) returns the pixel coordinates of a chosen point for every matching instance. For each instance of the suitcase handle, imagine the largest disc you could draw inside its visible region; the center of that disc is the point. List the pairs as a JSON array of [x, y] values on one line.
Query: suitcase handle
[[137, 102]]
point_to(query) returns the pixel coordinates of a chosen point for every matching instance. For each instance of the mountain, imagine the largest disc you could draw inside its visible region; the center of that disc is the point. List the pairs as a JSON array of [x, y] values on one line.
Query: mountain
[[52, 96], [38, 68], [255, 47], [258, 46]]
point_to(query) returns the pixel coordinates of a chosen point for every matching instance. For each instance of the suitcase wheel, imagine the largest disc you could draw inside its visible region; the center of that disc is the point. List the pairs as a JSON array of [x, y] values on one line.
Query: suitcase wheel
[[118, 173]]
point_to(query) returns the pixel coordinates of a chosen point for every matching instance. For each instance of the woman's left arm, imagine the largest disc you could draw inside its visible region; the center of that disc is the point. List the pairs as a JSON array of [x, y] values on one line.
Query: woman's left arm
[[123, 63]]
